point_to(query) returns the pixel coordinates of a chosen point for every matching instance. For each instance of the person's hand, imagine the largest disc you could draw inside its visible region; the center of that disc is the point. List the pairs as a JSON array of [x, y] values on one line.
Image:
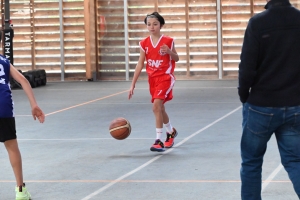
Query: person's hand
[[164, 49], [37, 113], [244, 94], [130, 92]]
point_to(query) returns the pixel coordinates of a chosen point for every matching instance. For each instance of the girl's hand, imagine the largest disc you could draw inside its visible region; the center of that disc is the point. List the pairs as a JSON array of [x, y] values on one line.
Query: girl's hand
[[165, 49], [130, 92], [37, 113]]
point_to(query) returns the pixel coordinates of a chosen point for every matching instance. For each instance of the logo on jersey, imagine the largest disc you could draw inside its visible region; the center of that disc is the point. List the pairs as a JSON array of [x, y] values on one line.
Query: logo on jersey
[[154, 63], [2, 73], [161, 53]]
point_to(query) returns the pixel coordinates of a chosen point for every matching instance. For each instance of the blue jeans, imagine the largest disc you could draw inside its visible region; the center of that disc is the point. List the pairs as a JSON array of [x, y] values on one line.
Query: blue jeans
[[259, 123]]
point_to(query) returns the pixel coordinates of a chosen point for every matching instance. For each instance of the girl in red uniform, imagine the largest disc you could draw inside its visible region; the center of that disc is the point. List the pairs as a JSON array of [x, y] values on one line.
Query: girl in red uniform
[[160, 55]]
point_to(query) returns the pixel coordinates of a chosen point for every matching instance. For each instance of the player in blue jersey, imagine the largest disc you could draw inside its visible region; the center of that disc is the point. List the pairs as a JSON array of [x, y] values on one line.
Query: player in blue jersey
[[7, 121]]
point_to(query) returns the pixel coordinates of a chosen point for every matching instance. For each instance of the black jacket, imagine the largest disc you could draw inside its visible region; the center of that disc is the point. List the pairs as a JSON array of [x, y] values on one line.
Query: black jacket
[[269, 71]]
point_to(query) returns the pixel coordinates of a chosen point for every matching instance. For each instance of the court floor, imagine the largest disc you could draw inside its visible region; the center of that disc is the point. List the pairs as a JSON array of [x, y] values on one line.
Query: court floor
[[73, 157]]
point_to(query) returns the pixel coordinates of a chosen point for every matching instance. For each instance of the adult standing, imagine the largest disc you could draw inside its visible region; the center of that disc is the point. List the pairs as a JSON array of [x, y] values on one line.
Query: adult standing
[[269, 88]]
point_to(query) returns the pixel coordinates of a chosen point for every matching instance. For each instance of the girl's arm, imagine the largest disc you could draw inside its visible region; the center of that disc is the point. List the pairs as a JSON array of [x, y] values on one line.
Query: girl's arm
[[137, 72], [36, 111], [173, 53]]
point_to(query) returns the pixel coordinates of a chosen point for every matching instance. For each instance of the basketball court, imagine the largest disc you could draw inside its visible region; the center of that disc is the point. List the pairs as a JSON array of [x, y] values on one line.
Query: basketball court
[[73, 157]]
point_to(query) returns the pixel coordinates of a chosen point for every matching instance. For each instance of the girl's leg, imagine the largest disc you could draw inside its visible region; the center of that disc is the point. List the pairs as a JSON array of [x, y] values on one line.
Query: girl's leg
[[165, 115], [158, 112], [166, 121], [15, 159], [171, 131]]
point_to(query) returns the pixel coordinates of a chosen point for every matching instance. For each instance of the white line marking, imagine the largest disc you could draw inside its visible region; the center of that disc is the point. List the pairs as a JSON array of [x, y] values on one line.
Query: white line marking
[[135, 181], [156, 158], [78, 139], [205, 88], [141, 88], [271, 177]]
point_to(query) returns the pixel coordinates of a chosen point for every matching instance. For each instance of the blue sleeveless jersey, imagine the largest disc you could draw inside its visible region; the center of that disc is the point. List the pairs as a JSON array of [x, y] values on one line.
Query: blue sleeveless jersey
[[6, 102]]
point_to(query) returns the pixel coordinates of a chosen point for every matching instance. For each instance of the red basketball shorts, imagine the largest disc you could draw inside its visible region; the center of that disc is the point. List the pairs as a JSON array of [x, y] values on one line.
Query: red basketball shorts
[[161, 87]]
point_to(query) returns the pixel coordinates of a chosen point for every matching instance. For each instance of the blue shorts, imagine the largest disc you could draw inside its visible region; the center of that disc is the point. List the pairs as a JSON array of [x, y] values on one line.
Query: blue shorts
[[7, 129]]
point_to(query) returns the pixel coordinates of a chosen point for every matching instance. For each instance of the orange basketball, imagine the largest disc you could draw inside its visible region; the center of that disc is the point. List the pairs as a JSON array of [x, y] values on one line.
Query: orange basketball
[[120, 128]]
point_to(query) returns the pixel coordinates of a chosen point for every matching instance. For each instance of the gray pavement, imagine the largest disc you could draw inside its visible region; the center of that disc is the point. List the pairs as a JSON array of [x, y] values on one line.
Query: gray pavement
[[73, 157]]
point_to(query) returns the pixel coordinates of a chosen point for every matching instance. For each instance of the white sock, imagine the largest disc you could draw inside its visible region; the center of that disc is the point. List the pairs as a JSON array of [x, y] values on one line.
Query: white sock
[[169, 127], [159, 132]]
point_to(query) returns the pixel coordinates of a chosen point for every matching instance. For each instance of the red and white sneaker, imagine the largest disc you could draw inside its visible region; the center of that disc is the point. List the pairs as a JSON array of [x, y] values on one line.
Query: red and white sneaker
[[170, 138], [157, 146]]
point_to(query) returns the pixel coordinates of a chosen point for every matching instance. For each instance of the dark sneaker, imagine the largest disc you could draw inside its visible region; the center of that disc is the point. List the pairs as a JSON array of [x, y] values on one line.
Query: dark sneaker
[[170, 138], [157, 146]]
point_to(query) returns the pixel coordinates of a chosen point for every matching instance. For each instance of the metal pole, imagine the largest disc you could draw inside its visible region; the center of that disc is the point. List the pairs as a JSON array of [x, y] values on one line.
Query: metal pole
[[219, 25], [7, 14], [156, 5], [8, 34], [33, 57], [251, 8], [2, 27], [62, 54], [126, 39], [187, 37]]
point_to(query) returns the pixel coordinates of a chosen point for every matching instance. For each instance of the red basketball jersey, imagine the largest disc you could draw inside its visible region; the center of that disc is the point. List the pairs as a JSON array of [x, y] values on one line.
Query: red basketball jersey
[[158, 63]]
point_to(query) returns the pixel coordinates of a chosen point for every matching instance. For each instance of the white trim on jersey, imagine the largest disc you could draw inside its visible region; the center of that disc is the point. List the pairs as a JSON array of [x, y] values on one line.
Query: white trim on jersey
[[168, 71], [12, 101], [172, 45], [157, 41], [141, 47], [171, 86]]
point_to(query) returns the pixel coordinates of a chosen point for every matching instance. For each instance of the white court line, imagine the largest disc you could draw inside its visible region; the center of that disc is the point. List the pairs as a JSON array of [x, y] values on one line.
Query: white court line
[[79, 139], [141, 88], [156, 157], [271, 177], [204, 87]]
